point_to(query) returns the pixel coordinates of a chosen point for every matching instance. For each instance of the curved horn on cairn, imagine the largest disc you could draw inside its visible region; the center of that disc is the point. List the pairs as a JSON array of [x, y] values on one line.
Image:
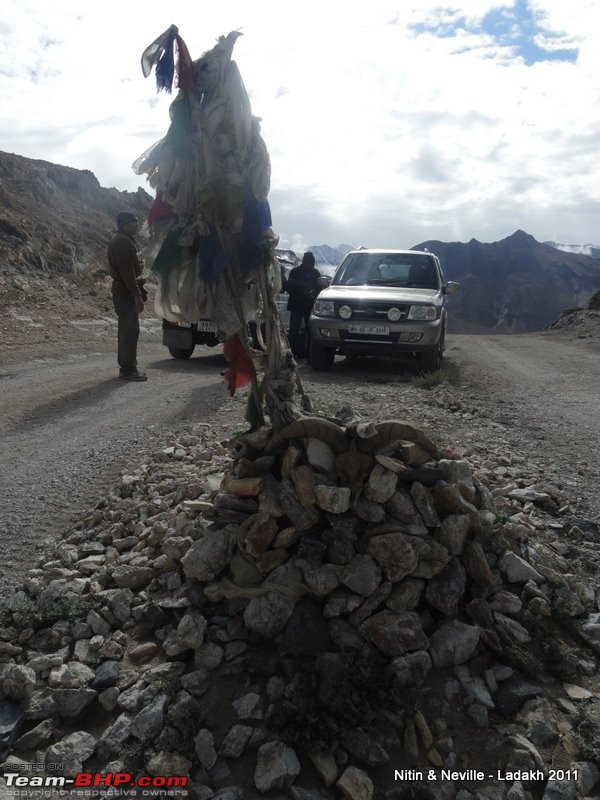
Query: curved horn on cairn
[[317, 428], [393, 430]]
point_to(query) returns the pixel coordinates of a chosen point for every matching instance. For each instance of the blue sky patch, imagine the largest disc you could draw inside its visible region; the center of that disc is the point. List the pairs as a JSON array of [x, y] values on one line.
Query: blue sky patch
[[515, 27]]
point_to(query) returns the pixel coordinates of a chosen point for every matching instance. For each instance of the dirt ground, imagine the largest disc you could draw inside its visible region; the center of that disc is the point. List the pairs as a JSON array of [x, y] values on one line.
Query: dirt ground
[[69, 425], [517, 406]]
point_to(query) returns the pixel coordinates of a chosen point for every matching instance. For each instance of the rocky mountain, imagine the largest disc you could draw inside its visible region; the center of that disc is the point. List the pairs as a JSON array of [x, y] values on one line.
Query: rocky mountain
[[328, 258], [57, 219], [515, 285]]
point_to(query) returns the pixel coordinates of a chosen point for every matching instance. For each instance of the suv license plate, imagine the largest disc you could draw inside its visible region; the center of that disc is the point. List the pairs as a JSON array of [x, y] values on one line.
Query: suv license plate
[[206, 326], [377, 330]]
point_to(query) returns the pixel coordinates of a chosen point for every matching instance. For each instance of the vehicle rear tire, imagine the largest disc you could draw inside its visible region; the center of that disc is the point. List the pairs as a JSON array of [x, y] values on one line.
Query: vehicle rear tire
[[320, 358], [180, 352]]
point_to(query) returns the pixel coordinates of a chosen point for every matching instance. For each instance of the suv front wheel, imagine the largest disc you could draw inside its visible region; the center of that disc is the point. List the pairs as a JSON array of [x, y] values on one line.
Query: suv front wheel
[[320, 358], [431, 360]]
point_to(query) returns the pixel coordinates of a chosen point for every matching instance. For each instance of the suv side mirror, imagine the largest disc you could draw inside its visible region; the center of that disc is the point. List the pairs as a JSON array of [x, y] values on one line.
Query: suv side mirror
[[451, 287]]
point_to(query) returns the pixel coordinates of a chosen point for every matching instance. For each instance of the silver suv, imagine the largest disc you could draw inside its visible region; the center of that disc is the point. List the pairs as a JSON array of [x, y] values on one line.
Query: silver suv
[[382, 303]]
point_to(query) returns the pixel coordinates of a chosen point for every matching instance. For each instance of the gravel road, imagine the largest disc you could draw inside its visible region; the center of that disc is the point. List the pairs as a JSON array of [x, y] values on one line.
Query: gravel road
[[68, 425], [552, 385]]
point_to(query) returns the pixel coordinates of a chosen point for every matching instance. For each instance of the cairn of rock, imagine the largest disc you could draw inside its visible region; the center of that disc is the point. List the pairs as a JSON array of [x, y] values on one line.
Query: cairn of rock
[[194, 601]]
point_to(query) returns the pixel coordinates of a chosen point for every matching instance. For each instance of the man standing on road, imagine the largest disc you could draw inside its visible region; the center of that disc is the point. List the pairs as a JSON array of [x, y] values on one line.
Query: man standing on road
[[302, 288], [128, 293]]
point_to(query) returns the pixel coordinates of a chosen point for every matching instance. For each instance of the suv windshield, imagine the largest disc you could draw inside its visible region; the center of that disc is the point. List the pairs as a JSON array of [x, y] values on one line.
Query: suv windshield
[[413, 270]]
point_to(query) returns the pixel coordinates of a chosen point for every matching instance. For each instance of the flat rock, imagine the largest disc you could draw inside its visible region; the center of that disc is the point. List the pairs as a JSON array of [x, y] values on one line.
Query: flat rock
[[362, 575], [236, 741], [423, 501], [277, 767], [577, 692], [395, 554], [406, 595], [18, 682], [268, 615], [204, 745], [446, 589], [381, 484], [513, 692], [71, 702], [303, 517], [516, 570], [129, 577], [476, 565], [453, 533], [71, 752], [401, 506], [355, 784], [412, 669], [208, 556], [150, 720], [396, 634], [38, 736], [364, 748], [106, 675], [191, 630], [261, 529], [453, 643], [326, 766], [334, 499]]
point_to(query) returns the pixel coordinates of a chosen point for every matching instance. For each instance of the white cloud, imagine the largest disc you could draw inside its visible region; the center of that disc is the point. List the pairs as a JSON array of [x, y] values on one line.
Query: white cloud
[[580, 249], [380, 132]]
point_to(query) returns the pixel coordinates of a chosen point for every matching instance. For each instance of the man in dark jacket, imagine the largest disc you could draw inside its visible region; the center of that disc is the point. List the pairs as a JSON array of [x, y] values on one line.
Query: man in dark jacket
[[302, 288], [128, 293]]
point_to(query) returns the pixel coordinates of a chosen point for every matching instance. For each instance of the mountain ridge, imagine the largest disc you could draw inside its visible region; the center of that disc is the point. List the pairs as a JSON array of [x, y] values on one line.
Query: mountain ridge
[[58, 220], [514, 285]]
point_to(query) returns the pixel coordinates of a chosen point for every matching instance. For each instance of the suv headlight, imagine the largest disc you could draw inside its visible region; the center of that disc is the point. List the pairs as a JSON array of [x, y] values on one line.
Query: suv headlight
[[423, 312], [324, 308]]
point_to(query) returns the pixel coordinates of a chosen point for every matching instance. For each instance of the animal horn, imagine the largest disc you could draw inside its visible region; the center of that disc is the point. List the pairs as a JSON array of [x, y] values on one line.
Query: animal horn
[[393, 430], [317, 428]]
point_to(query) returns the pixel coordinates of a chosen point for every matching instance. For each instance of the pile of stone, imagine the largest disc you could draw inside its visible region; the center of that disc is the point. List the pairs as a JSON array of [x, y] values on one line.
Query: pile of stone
[[583, 320], [188, 597]]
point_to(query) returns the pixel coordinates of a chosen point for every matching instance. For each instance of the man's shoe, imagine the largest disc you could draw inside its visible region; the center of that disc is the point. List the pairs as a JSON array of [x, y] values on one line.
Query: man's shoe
[[133, 376]]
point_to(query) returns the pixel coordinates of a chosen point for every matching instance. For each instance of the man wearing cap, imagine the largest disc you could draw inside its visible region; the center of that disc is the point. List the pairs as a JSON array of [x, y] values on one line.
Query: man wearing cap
[[128, 293]]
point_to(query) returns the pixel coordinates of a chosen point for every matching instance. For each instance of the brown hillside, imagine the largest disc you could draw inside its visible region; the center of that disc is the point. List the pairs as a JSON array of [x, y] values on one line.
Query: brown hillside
[[55, 218]]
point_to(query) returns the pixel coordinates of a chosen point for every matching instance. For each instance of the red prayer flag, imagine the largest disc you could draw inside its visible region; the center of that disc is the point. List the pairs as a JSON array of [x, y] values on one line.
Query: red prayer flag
[[185, 66], [241, 367], [159, 209]]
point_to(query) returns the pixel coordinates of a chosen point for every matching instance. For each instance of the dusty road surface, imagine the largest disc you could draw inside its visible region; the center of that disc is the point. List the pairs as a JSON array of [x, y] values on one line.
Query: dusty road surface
[[68, 425], [550, 384]]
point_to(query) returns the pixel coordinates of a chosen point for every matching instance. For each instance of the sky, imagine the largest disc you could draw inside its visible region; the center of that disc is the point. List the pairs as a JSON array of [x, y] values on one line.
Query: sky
[[387, 123]]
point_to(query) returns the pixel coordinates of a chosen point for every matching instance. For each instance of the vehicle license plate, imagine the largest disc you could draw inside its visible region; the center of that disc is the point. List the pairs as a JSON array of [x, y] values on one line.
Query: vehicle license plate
[[206, 326], [378, 330]]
